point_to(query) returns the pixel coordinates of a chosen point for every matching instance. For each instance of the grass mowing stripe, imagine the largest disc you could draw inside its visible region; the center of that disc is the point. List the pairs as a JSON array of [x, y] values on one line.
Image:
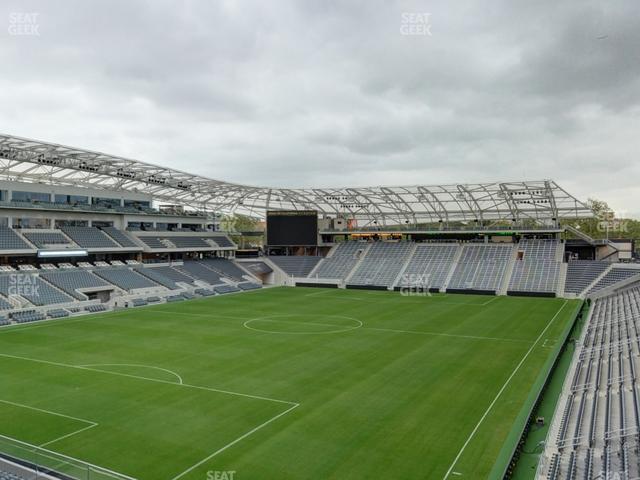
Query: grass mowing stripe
[[526, 355]]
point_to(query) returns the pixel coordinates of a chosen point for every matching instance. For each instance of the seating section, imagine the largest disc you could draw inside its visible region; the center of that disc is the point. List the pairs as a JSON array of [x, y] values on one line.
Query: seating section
[[189, 242], [90, 237], [538, 270], [186, 241], [10, 240], [28, 316], [382, 264], [157, 276], [225, 267], [614, 276], [595, 430], [125, 278], [296, 265], [5, 305], [96, 308], [72, 280], [344, 258], [582, 273], [223, 241], [154, 242], [172, 273], [481, 267], [121, 237], [429, 266], [43, 239], [222, 289], [32, 288], [200, 272]]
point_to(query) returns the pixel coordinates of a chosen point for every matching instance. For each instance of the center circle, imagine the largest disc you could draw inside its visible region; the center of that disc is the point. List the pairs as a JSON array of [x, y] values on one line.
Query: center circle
[[303, 324]]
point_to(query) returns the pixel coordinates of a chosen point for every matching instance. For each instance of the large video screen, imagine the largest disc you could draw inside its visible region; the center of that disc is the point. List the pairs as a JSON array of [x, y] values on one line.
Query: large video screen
[[292, 228]]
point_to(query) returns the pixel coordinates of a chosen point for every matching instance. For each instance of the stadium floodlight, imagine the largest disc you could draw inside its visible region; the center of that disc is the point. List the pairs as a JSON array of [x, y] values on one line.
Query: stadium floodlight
[[62, 253]]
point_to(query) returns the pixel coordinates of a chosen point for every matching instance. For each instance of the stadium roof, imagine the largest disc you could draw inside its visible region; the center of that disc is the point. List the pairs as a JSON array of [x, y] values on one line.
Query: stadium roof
[[544, 202]]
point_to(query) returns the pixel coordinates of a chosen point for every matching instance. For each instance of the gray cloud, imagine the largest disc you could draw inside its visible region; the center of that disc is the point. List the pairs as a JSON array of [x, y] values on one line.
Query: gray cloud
[[291, 93]]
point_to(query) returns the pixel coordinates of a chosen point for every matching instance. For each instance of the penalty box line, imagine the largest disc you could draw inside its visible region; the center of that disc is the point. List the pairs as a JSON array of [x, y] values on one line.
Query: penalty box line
[[90, 424], [292, 405]]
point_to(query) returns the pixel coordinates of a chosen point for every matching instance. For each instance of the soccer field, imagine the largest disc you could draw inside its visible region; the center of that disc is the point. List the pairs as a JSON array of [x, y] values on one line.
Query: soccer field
[[282, 383]]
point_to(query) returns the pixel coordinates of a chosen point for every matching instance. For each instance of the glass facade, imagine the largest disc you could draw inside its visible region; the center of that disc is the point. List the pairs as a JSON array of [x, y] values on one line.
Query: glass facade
[[106, 202], [18, 196], [31, 222], [72, 199]]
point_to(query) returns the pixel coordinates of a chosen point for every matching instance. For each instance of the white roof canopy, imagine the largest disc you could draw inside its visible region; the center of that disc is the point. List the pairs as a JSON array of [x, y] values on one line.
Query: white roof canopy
[[543, 201]]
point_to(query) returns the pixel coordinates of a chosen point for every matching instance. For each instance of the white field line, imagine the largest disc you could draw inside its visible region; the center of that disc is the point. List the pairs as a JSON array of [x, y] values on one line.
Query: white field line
[[438, 334], [157, 380], [513, 374], [321, 292], [67, 435], [42, 410], [489, 301], [72, 461], [89, 423], [171, 372], [230, 444]]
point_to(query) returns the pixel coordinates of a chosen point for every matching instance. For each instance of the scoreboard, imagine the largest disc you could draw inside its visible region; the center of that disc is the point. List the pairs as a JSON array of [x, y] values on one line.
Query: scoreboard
[[292, 228]]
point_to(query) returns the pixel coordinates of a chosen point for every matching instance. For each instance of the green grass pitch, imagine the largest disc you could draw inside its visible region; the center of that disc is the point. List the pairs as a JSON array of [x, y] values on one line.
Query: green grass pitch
[[282, 383]]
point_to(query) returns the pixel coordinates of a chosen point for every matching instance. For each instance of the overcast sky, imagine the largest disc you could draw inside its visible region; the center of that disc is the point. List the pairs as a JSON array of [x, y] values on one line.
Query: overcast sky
[[337, 93]]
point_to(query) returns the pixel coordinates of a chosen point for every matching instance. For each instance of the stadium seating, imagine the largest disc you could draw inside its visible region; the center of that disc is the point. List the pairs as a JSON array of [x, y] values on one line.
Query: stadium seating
[[186, 241], [200, 272], [72, 280], [157, 276], [538, 270], [481, 267], [582, 273], [90, 237], [341, 262], [170, 272], [43, 239], [123, 238], [32, 288], [597, 421], [225, 267], [95, 308], [226, 288], [429, 266], [28, 316], [10, 240], [296, 266], [223, 241], [125, 278], [614, 276], [381, 264], [154, 242], [189, 242]]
